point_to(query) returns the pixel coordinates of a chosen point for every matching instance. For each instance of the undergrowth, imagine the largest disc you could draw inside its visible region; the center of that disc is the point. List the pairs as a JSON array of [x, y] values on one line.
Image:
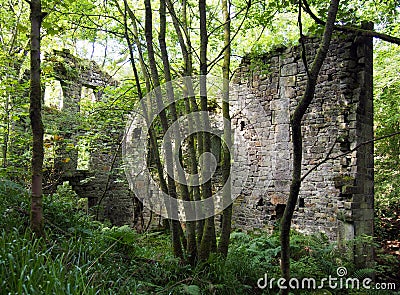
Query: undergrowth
[[82, 256]]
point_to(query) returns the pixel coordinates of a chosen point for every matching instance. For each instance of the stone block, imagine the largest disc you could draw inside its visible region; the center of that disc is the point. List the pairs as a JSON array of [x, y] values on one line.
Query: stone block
[[288, 81], [289, 70]]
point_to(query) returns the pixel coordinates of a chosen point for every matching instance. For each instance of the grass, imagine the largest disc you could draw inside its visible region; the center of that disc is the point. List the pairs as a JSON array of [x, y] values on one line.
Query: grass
[[81, 256]]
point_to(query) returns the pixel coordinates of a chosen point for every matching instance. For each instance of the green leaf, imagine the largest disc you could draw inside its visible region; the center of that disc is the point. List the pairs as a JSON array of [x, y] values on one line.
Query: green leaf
[[22, 28], [191, 289]]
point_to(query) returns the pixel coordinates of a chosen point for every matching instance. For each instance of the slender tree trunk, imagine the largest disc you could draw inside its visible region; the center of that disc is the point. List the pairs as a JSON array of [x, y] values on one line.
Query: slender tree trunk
[[144, 104], [7, 131], [297, 140], [226, 157], [36, 120], [194, 108], [208, 242], [190, 225], [175, 224], [138, 45], [189, 98]]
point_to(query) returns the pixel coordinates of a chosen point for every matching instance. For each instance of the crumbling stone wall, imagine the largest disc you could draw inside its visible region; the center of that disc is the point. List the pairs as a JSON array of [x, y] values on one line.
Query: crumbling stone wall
[[337, 197], [108, 196], [74, 74]]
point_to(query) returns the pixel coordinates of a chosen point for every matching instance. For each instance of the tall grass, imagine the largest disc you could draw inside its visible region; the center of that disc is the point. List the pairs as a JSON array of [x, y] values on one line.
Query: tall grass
[[29, 267]]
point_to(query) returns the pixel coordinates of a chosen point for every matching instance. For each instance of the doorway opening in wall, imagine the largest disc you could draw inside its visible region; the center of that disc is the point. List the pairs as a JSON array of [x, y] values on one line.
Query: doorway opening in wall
[[53, 101], [83, 143], [87, 96], [53, 95]]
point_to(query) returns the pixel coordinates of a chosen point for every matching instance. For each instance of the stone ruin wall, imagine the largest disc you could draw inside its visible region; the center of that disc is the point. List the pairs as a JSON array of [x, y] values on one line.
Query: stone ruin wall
[[100, 183], [337, 197]]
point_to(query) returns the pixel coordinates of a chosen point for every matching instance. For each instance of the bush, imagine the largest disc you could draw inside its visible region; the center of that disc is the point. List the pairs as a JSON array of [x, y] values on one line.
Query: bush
[[63, 215], [387, 218], [14, 205]]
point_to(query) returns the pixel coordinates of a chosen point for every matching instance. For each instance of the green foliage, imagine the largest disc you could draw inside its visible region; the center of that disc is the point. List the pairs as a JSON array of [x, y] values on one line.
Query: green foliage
[[13, 204], [29, 267], [63, 215], [387, 151], [387, 157], [80, 256], [14, 121], [14, 114], [354, 12]]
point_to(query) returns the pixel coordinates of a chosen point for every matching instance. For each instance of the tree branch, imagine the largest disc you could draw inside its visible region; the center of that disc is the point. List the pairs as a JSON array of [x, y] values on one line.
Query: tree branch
[[327, 157], [303, 46], [178, 24], [346, 28], [212, 63]]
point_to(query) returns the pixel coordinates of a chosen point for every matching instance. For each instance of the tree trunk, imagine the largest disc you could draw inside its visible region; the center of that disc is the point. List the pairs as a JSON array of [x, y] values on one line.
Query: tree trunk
[[190, 106], [297, 140], [138, 45], [194, 107], [226, 157], [144, 104], [183, 188], [207, 243], [36, 120], [7, 131], [173, 209]]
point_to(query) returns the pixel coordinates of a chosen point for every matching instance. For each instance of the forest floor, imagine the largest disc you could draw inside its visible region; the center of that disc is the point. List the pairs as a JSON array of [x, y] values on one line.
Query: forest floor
[[82, 256]]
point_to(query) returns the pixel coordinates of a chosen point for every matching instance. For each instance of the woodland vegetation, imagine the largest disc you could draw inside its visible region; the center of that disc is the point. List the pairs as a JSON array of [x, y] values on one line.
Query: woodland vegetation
[[49, 245]]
